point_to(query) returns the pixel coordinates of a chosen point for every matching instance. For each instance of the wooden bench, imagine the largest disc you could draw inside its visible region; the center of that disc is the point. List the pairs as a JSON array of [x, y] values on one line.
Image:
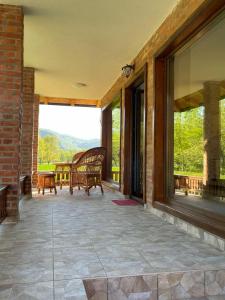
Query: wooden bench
[[3, 191]]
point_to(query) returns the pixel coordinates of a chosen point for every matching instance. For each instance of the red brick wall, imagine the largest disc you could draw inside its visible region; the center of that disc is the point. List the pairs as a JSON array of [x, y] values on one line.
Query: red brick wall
[[27, 126], [35, 139], [11, 69]]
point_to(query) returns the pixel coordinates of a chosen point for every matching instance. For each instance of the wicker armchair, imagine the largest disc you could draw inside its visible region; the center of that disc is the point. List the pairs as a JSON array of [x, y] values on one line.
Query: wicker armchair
[[76, 157], [62, 171], [87, 171]]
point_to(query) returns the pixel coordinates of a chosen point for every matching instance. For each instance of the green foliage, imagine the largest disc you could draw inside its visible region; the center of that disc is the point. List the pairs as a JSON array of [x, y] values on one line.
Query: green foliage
[[55, 147], [222, 140], [116, 137], [70, 142], [188, 141], [49, 151], [46, 167]]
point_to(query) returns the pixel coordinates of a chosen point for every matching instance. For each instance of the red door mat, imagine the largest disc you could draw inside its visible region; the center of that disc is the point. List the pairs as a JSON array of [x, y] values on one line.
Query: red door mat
[[125, 202]]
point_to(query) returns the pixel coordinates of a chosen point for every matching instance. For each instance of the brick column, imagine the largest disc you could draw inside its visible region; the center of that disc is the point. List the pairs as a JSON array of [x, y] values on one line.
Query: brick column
[[11, 72], [211, 131], [35, 139], [27, 127]]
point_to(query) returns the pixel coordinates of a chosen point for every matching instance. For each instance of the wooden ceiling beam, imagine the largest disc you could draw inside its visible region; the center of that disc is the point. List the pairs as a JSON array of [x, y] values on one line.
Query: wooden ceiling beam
[[69, 101]]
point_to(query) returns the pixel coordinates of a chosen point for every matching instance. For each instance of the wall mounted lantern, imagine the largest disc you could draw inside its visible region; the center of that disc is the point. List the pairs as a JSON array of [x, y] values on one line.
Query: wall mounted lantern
[[127, 70]]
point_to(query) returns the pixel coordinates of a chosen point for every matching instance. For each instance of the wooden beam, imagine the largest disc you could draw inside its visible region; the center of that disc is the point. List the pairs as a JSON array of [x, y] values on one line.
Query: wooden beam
[[68, 101]]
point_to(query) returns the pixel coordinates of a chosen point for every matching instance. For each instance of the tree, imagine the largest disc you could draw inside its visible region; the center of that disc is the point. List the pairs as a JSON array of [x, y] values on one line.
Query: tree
[[188, 140], [116, 137], [41, 150], [49, 149]]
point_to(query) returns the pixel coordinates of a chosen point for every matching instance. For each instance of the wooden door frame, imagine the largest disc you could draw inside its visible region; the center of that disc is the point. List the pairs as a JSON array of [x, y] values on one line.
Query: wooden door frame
[[127, 129]]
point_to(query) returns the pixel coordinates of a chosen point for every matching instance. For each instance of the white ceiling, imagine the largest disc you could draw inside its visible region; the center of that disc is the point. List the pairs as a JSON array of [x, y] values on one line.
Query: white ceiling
[[69, 41]]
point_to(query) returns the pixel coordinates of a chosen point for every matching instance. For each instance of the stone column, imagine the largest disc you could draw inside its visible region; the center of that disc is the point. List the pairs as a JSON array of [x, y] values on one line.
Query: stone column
[[27, 127], [11, 66], [35, 140], [211, 169]]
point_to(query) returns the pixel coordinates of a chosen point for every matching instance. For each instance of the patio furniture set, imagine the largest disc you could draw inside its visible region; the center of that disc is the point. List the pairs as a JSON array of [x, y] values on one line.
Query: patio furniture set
[[85, 171]]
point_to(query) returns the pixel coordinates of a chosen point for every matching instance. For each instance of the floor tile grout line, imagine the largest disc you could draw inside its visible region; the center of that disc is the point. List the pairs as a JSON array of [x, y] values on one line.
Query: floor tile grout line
[[53, 261], [90, 214], [99, 258]]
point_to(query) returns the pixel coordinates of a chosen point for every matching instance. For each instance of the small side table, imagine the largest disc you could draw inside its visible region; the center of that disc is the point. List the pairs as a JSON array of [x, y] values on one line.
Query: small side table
[[46, 180]]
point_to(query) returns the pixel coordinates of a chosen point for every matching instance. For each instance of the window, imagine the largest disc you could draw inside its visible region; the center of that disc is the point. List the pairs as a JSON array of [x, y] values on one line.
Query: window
[[115, 159], [111, 128], [196, 163]]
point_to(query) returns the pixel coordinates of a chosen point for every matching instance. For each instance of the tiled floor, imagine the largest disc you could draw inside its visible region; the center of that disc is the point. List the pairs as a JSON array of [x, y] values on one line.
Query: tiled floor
[[62, 239]]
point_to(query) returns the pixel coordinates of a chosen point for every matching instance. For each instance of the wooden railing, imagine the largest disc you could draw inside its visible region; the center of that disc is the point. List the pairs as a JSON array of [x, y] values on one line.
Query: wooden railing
[[194, 185], [116, 176], [189, 184], [3, 191], [62, 174]]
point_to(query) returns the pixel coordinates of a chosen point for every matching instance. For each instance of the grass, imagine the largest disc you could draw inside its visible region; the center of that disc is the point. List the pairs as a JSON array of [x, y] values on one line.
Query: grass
[[51, 167], [116, 169], [187, 173], [46, 167]]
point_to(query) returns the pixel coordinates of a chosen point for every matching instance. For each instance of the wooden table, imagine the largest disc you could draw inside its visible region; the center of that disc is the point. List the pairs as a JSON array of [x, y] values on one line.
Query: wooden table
[[46, 180]]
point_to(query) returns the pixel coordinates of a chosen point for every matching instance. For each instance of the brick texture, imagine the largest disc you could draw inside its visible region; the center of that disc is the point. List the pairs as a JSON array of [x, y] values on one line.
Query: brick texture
[[35, 140], [11, 69], [27, 127], [174, 22]]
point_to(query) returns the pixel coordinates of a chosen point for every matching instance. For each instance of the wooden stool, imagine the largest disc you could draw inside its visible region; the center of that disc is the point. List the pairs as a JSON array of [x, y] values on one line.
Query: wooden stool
[[46, 181]]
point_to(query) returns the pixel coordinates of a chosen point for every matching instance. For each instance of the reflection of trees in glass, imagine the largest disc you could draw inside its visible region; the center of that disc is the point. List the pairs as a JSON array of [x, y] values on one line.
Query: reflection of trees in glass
[[116, 138], [222, 115], [188, 141]]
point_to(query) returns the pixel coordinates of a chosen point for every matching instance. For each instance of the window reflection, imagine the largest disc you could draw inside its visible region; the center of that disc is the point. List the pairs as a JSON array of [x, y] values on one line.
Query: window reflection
[[199, 121], [116, 142]]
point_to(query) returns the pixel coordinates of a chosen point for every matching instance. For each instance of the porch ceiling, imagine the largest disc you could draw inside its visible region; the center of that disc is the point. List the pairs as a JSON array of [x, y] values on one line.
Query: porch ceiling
[[69, 101], [85, 41]]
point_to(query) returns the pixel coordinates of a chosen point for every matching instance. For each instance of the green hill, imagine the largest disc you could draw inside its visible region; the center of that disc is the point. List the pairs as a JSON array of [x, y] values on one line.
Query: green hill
[[68, 142]]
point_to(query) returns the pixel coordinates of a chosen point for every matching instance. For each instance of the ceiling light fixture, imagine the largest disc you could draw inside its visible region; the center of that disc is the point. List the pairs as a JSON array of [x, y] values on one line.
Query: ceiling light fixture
[[79, 85], [127, 70]]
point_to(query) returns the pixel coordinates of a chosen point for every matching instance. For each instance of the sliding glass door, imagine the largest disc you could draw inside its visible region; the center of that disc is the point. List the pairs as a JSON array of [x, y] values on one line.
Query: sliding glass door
[[137, 141]]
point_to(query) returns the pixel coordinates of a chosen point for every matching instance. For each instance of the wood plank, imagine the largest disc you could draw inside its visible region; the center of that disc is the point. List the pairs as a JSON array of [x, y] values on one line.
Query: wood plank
[[127, 147], [208, 221], [160, 123], [69, 101]]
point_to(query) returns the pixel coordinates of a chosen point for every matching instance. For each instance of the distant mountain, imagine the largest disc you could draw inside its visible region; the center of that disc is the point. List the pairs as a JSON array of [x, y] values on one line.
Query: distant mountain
[[70, 142]]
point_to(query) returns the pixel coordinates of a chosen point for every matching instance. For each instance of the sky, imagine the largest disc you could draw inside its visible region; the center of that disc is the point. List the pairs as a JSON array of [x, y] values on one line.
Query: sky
[[80, 122]]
